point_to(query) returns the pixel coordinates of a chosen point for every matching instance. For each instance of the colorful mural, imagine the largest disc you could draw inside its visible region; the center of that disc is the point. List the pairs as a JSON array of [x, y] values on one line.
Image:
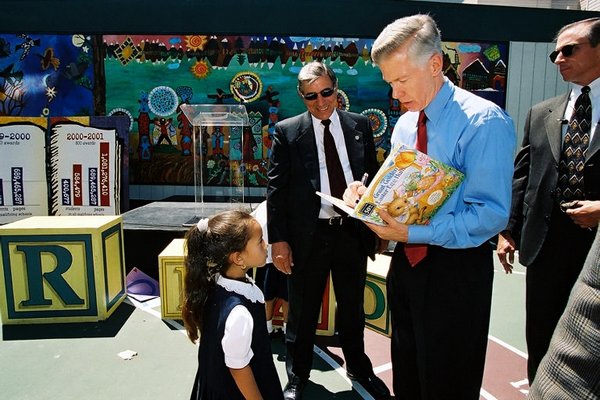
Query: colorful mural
[[46, 75], [148, 76]]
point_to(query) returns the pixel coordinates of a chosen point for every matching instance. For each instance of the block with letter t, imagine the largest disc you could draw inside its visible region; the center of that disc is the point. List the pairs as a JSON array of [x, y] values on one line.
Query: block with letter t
[[61, 269]]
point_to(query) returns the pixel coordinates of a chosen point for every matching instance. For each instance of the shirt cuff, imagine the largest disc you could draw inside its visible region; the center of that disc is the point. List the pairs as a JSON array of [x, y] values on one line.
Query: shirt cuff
[[420, 234], [237, 338]]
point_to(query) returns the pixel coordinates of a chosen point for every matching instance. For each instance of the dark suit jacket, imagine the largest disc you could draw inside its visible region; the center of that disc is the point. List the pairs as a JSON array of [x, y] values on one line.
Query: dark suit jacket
[[292, 205], [536, 176]]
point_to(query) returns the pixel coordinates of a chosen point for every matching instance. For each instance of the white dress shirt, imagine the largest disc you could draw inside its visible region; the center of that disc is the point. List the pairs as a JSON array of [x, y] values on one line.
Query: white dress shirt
[[335, 128]]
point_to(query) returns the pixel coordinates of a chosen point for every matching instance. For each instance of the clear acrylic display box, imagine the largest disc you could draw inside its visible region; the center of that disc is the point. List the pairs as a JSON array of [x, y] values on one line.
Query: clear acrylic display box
[[217, 141]]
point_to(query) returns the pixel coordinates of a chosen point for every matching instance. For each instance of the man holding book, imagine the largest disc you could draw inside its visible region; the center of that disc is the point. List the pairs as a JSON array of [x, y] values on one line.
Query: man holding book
[[440, 278]]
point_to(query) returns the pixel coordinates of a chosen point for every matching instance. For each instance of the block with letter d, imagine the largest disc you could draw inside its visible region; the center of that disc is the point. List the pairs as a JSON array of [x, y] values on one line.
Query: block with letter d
[[61, 269], [377, 316]]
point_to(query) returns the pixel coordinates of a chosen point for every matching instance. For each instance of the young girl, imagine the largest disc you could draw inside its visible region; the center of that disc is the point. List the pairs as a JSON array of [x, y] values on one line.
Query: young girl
[[225, 310]]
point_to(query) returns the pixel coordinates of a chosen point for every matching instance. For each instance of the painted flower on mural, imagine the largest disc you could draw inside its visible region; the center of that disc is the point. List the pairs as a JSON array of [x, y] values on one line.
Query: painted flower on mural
[[163, 101], [210, 164], [200, 69], [195, 42]]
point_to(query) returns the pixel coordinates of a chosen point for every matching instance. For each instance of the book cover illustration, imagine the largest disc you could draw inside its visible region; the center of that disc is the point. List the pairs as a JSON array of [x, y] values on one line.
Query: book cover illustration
[[410, 186], [23, 186]]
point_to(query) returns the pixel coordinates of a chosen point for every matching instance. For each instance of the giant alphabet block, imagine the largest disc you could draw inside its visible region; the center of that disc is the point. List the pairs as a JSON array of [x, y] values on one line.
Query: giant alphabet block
[[377, 316], [61, 269], [170, 278]]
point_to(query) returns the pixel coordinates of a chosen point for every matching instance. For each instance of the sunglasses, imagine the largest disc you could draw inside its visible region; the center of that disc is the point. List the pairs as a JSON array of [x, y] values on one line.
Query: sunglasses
[[566, 50], [327, 92]]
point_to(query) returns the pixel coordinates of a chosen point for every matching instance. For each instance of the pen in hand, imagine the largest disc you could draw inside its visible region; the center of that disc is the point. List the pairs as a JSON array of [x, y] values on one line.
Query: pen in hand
[[365, 176], [363, 181]]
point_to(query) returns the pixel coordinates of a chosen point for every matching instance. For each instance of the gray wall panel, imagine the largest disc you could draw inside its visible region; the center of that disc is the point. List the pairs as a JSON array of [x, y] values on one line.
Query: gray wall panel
[[531, 79]]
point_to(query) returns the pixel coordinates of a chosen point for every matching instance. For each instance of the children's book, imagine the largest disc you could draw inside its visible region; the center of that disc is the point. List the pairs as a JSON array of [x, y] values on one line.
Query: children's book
[[410, 186]]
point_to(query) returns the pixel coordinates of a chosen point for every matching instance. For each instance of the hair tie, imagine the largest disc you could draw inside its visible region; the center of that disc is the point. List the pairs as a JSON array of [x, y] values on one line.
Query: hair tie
[[202, 225]]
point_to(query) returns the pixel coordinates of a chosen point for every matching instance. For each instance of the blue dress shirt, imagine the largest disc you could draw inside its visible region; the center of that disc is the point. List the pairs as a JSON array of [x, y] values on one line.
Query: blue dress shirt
[[478, 138]]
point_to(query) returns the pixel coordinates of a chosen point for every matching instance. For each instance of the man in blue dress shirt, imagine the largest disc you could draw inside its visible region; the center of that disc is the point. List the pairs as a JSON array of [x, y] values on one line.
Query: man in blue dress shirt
[[440, 305]]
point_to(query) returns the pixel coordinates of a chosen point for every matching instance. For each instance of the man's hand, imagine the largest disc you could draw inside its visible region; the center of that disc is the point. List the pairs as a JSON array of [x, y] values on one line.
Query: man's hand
[[506, 251], [282, 257], [586, 214], [353, 193], [394, 230]]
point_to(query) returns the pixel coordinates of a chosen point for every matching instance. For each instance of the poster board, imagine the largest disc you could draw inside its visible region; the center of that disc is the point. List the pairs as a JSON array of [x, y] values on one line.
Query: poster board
[[23, 185]]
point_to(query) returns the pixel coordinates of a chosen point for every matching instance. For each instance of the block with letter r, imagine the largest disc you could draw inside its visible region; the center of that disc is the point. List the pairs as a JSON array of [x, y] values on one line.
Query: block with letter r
[[61, 269]]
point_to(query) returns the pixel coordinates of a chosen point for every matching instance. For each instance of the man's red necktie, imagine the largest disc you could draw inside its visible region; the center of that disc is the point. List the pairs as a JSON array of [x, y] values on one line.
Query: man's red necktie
[[417, 252]]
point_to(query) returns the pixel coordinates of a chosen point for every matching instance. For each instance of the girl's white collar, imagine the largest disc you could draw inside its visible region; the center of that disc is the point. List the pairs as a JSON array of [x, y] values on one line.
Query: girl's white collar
[[248, 290]]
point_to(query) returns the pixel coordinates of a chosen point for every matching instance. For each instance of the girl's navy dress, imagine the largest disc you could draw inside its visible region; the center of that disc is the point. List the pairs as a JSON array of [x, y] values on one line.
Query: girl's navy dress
[[213, 379]]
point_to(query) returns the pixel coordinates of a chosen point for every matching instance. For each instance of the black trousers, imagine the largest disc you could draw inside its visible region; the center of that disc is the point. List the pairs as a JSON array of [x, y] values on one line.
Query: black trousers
[[440, 313], [549, 281], [337, 249]]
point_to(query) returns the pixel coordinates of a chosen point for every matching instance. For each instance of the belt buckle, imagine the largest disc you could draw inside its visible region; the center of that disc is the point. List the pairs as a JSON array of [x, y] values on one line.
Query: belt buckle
[[335, 221]]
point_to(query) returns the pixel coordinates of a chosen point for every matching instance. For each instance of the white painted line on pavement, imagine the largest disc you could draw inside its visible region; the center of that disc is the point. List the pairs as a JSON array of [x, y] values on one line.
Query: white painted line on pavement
[[382, 368], [508, 346], [342, 372], [486, 395], [149, 308]]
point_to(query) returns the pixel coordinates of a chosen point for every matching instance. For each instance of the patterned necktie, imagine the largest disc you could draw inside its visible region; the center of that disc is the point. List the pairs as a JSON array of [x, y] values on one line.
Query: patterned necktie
[[337, 181], [417, 252], [577, 138]]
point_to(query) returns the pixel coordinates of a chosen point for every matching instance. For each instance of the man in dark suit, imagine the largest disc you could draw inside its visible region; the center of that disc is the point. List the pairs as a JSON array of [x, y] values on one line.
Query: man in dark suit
[[553, 243], [309, 237]]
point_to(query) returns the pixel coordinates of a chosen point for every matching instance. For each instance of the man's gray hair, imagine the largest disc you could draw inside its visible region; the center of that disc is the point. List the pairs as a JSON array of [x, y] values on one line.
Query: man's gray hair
[[419, 32], [313, 71]]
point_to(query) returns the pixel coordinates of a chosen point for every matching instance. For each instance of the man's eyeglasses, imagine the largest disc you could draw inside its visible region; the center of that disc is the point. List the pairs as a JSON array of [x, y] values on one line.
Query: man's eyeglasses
[[566, 50], [313, 95]]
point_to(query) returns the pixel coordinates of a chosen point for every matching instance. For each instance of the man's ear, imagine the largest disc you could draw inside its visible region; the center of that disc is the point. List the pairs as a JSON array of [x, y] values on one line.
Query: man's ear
[[436, 63]]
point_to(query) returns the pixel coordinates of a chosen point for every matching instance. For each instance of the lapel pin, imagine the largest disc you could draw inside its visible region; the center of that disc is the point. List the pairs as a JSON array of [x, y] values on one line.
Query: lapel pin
[[357, 137]]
